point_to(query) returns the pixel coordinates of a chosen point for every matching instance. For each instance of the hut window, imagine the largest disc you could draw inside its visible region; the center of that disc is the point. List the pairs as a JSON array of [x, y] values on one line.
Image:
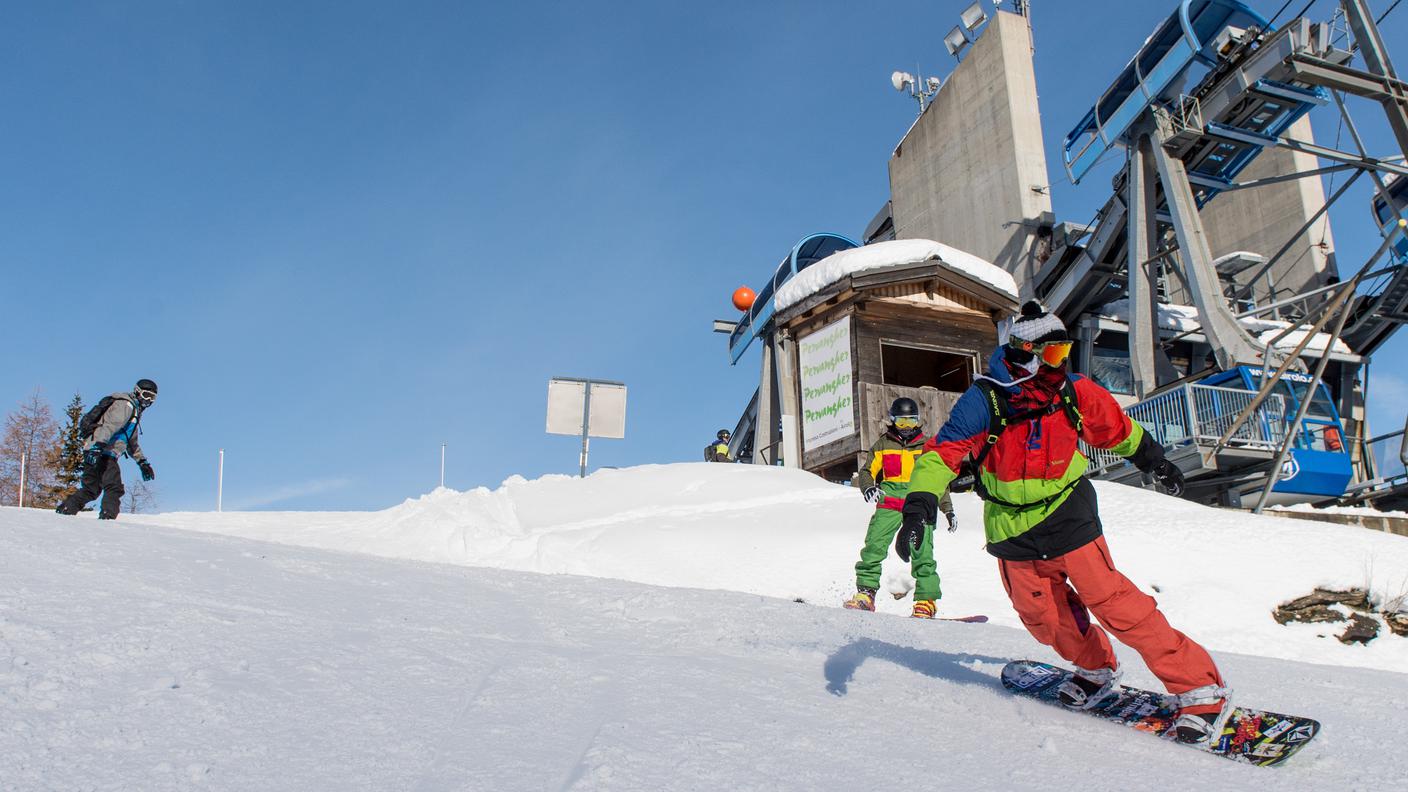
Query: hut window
[[916, 367]]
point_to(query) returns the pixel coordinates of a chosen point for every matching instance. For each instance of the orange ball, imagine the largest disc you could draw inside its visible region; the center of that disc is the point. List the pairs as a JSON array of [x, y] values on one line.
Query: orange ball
[[743, 298]]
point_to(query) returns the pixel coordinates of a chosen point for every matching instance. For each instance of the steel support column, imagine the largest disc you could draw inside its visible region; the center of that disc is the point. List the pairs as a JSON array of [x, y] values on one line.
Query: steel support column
[[1141, 229], [1231, 344]]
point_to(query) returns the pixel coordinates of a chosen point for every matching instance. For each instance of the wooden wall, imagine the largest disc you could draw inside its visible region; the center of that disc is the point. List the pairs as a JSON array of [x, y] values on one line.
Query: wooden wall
[[919, 315]]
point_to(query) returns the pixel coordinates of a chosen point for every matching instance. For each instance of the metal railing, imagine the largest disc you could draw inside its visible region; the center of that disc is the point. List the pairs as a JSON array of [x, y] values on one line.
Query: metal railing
[[1200, 414]]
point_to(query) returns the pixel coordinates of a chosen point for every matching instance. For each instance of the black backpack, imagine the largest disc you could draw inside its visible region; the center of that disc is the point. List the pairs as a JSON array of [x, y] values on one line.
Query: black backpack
[[90, 420], [1000, 418]]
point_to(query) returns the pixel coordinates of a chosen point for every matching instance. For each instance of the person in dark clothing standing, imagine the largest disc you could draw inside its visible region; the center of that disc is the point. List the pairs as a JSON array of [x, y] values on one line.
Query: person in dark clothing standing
[[113, 436], [717, 451]]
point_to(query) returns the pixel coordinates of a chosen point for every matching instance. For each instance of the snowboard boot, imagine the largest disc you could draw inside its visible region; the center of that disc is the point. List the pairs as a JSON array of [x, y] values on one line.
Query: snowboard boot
[[1202, 712], [864, 599], [923, 609], [1088, 687]]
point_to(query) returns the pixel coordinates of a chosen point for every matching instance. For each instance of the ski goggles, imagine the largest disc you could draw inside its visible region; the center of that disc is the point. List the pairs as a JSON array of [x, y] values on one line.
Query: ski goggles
[[1055, 353], [906, 422], [146, 397]]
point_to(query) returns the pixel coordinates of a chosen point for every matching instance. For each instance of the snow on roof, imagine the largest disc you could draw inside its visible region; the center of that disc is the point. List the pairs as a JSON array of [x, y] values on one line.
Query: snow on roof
[[887, 255], [1171, 317], [1184, 318]]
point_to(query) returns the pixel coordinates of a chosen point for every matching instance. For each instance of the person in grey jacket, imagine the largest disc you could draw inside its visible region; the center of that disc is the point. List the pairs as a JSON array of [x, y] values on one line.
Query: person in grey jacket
[[114, 435]]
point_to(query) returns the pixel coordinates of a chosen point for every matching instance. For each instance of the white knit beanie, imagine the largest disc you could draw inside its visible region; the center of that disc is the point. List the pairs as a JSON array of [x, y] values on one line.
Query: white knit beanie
[[1038, 326]]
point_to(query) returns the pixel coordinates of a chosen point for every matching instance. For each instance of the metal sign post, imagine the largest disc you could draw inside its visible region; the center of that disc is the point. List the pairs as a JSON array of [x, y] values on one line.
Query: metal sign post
[[587, 408]]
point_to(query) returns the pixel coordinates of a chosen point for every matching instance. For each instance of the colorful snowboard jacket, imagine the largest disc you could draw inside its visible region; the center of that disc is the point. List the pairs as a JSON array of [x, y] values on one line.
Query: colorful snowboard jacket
[[891, 466], [716, 452], [1035, 463]]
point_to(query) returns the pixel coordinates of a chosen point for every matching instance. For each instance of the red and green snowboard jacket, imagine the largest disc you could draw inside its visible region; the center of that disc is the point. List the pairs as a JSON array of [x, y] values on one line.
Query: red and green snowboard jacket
[[891, 467], [1035, 464]]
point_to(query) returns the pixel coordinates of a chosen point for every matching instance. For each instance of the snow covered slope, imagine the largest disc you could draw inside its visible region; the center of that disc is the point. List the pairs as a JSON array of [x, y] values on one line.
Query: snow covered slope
[[784, 533], [137, 657]]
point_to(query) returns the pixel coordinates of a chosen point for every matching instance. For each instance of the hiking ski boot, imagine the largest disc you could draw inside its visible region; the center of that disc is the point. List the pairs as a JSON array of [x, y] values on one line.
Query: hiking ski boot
[[1087, 687], [1202, 712], [864, 599], [923, 609]]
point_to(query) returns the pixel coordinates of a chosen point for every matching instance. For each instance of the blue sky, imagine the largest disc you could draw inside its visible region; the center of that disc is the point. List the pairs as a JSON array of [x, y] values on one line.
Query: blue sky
[[340, 234]]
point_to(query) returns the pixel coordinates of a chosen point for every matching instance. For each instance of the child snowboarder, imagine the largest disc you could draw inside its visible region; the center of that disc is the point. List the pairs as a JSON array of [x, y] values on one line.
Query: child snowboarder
[[885, 482], [1021, 422]]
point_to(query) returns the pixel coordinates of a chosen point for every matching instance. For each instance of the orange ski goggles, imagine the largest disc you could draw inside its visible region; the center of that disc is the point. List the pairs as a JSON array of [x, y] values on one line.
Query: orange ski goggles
[[1055, 353], [1052, 353]]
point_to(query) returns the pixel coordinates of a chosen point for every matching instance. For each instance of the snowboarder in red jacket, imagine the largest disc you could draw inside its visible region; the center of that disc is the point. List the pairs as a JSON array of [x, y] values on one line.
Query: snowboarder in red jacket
[[1042, 523]]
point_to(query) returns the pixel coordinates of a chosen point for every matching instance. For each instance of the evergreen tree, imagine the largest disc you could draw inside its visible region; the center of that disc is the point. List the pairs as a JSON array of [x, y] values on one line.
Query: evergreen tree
[[68, 455], [28, 446]]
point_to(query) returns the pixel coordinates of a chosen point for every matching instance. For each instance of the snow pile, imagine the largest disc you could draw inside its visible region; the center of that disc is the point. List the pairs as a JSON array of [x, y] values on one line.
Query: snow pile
[[888, 255], [787, 534], [1184, 319], [135, 657], [1181, 318], [1357, 511], [1318, 342]]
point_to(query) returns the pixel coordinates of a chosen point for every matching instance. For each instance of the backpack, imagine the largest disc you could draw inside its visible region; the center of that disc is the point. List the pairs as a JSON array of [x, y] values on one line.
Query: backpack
[[999, 420], [88, 424]]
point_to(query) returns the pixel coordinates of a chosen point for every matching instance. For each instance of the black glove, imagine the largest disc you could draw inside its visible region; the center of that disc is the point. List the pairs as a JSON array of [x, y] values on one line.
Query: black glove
[[1169, 476], [146, 467], [952, 521], [872, 495], [91, 455], [920, 511]]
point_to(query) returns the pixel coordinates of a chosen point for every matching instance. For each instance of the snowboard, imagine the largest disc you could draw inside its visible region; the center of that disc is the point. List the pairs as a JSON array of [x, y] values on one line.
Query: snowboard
[[978, 619], [1249, 736]]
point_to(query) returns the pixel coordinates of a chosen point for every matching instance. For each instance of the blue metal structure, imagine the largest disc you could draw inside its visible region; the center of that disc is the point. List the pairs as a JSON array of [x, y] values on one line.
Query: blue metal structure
[[1388, 216], [1156, 75], [1319, 464], [756, 321]]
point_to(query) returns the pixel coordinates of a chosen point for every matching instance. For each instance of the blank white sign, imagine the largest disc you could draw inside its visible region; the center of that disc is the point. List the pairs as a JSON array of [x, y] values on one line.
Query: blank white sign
[[608, 409]]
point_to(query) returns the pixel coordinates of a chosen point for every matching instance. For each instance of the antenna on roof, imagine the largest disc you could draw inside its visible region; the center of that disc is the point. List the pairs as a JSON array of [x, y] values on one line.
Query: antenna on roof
[[921, 88]]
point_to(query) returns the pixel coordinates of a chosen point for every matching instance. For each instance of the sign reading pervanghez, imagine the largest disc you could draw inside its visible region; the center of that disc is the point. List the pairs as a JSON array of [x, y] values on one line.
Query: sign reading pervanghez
[[828, 390]]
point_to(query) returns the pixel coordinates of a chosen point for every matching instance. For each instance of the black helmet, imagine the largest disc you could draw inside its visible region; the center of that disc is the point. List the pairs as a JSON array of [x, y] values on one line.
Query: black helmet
[[904, 408], [724, 435], [145, 391]]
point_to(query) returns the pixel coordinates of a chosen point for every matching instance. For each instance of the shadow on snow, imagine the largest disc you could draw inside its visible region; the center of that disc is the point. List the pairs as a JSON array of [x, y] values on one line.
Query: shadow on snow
[[840, 667]]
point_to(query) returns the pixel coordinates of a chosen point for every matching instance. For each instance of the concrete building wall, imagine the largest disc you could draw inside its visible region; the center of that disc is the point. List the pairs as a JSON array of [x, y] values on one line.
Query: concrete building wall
[[1262, 219], [971, 172]]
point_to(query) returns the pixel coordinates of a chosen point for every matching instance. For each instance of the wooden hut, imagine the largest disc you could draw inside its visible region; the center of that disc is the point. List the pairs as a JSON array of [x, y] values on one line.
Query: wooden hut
[[871, 334]]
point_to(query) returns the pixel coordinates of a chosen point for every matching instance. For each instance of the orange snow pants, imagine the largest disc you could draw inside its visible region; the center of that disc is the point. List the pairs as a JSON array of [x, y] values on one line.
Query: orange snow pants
[[1059, 616]]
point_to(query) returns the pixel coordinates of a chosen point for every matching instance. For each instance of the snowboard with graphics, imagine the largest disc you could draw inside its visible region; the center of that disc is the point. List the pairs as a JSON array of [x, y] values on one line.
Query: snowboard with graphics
[[1250, 736]]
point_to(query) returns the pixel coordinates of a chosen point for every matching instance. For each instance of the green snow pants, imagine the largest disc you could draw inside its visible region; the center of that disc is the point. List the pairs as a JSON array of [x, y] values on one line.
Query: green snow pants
[[878, 538]]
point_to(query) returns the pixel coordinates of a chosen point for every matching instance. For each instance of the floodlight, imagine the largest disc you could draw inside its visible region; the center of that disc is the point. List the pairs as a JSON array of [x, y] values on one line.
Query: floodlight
[[973, 16], [901, 80], [934, 83], [955, 41]]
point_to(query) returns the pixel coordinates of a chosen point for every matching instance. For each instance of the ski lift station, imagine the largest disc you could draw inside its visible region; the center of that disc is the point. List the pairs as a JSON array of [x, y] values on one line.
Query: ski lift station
[[1205, 292]]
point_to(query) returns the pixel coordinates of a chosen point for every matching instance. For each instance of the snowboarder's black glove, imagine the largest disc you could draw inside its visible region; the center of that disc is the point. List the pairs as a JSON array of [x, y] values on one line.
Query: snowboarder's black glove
[[952, 521], [91, 455], [921, 510], [147, 473], [1168, 475], [873, 495]]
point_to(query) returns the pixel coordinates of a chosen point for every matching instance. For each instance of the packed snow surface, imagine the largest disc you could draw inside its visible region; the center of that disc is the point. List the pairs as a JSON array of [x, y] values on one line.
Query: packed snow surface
[[306, 651], [888, 255]]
